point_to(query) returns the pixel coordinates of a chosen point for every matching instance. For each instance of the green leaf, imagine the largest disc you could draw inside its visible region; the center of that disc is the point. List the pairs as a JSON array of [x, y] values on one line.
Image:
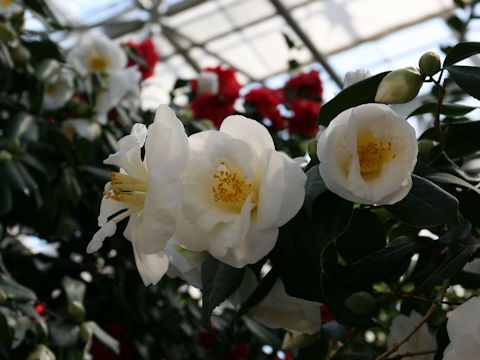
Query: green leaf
[[5, 198], [219, 281], [74, 289], [22, 126], [334, 330], [449, 267], [461, 51], [64, 333], [456, 23], [445, 178], [6, 333], [447, 109], [442, 340], [99, 173], [288, 40], [457, 233], [15, 291], [314, 187], [467, 77], [108, 341], [460, 138], [264, 334], [426, 205], [302, 240], [29, 310], [364, 236], [180, 83], [359, 93], [70, 185]]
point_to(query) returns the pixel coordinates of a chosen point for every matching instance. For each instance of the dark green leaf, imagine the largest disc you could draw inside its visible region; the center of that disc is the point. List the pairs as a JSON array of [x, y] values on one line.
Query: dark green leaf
[[456, 23], [219, 281], [460, 3], [15, 291], [74, 289], [467, 279], [288, 40], [47, 70], [316, 351], [449, 268], [108, 341], [314, 187], [6, 333], [293, 64], [33, 162], [446, 178], [446, 109], [64, 333], [426, 205], [70, 185], [461, 51], [457, 233], [180, 83], [359, 93], [364, 236], [29, 310], [5, 198], [264, 334], [467, 77], [22, 126], [335, 331], [99, 173], [442, 340]]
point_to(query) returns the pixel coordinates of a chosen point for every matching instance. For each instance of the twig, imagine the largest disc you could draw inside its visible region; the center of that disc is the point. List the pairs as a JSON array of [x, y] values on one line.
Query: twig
[[428, 315], [441, 94], [412, 354]]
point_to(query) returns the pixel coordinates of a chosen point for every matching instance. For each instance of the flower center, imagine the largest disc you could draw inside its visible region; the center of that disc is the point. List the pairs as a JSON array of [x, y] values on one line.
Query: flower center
[[6, 3], [98, 63], [230, 189], [373, 154]]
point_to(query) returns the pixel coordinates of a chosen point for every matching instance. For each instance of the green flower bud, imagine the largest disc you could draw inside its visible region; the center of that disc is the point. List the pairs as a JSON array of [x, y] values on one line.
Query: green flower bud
[[3, 297], [400, 86], [86, 332], [312, 151], [5, 156], [360, 303], [430, 63], [424, 149], [20, 54], [76, 310], [7, 33], [41, 352]]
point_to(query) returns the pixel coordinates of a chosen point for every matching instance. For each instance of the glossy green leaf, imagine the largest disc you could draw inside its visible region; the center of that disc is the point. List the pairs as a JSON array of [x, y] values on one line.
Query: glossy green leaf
[[426, 205], [446, 109], [15, 291], [445, 178], [64, 333], [108, 341], [314, 187], [359, 93], [74, 289], [264, 334], [461, 51], [457, 233], [467, 77], [6, 333], [219, 281], [70, 185]]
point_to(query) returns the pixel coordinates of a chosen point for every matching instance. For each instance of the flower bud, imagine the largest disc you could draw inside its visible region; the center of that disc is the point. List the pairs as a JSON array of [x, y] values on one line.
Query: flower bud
[[86, 332], [296, 341], [400, 86], [3, 297], [5, 156], [360, 303], [76, 310], [429, 63], [41, 352], [20, 54], [312, 151], [7, 33]]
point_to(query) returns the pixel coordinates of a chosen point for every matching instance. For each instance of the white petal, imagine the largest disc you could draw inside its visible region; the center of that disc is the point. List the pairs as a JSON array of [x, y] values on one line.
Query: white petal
[[105, 231], [151, 267], [449, 353], [166, 147], [248, 130]]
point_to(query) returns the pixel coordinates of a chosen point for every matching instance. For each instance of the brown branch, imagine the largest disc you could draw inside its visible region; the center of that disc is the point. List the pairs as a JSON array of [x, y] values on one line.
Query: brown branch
[[412, 354], [428, 315]]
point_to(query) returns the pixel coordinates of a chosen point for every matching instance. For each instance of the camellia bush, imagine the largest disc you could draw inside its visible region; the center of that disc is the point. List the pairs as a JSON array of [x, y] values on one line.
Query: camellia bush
[[272, 225]]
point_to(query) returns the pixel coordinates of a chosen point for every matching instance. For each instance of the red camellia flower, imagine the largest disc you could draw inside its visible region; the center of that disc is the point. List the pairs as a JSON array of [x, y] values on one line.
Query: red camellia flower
[[304, 120], [206, 339], [266, 101], [228, 85], [213, 107], [304, 86], [146, 50]]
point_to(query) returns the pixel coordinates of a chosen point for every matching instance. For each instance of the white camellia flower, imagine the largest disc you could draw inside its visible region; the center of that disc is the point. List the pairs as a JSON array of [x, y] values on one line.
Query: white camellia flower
[[207, 82], [148, 191], [9, 7], [59, 90], [119, 84], [96, 52], [422, 340], [278, 309], [367, 155], [85, 128], [463, 327], [185, 264], [237, 191]]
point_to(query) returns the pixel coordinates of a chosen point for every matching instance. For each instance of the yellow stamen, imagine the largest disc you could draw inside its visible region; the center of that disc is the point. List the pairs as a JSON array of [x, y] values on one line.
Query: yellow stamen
[[373, 154], [127, 189], [98, 63], [230, 189]]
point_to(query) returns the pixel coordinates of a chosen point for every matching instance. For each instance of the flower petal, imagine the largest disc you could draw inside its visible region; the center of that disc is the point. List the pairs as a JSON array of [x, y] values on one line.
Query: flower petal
[[151, 267], [105, 231]]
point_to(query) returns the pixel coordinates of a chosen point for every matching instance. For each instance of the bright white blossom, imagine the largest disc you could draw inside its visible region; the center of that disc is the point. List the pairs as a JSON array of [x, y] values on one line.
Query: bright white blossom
[[237, 191], [185, 264], [367, 155], [96, 53], [59, 90], [353, 77], [148, 191], [207, 82], [9, 7], [422, 340], [278, 309], [85, 128], [118, 85], [463, 327]]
